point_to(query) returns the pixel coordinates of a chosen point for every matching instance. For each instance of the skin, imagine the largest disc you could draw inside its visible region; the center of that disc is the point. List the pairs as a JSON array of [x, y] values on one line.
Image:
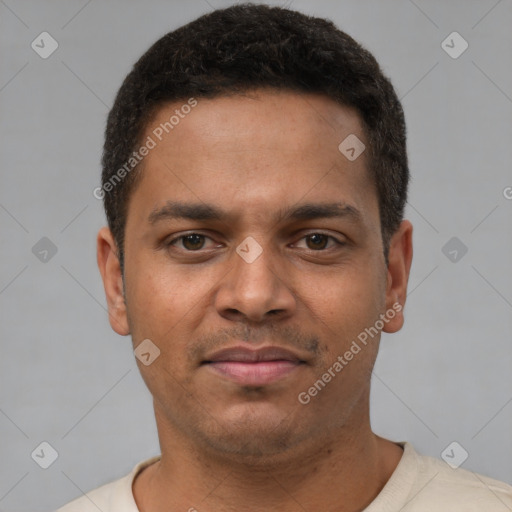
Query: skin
[[230, 447]]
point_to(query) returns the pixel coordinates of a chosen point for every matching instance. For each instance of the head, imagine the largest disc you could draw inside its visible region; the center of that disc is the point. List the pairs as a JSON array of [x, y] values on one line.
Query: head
[[246, 47], [243, 114]]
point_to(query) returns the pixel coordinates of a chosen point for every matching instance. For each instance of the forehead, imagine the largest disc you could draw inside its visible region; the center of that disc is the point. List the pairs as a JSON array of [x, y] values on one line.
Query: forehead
[[254, 153], [255, 120]]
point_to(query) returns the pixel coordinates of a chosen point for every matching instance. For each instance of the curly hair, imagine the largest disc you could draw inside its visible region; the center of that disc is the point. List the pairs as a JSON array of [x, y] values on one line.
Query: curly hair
[[247, 47]]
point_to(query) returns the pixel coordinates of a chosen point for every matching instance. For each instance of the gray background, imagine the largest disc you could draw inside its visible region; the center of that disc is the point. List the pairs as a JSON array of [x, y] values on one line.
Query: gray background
[[67, 379]]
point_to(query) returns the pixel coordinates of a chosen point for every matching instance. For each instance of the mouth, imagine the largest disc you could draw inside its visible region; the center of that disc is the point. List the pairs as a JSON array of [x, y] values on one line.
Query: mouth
[[254, 367]]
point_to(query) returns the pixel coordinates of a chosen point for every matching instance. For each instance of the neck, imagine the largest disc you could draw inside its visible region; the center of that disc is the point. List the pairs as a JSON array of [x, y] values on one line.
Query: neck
[[341, 471]]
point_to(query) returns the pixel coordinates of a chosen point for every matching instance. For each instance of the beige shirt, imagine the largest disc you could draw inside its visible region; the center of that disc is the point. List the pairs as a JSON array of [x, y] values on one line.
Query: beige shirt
[[418, 484]]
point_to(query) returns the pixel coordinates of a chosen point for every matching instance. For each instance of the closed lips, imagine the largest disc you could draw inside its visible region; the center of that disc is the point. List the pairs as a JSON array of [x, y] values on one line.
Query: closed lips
[[245, 355]]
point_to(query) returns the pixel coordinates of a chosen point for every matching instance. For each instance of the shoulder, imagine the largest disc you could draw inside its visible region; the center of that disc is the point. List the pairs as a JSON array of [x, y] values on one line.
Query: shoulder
[[116, 496], [425, 484], [441, 487], [99, 498]]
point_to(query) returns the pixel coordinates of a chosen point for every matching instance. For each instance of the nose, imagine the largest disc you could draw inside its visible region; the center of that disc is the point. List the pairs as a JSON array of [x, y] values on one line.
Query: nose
[[255, 291]]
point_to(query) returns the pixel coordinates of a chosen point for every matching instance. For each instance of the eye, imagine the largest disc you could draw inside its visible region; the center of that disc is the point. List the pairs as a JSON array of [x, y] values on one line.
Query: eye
[[319, 241], [190, 242]]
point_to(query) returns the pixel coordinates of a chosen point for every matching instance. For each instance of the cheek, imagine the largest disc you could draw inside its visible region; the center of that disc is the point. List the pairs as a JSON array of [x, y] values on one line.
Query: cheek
[[343, 303], [158, 299]]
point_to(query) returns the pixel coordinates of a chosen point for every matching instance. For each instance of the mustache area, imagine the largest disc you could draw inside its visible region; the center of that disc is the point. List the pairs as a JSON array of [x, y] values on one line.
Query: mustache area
[[283, 337]]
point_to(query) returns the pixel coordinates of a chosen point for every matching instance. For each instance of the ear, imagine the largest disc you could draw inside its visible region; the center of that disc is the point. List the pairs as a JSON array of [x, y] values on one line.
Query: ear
[[110, 270], [400, 259]]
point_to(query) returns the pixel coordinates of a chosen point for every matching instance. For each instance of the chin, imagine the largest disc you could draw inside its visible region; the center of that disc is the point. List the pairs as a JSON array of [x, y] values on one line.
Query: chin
[[250, 448], [253, 434]]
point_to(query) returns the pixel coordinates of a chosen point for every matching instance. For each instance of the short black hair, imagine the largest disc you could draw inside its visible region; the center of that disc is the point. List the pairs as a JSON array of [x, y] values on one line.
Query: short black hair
[[248, 47]]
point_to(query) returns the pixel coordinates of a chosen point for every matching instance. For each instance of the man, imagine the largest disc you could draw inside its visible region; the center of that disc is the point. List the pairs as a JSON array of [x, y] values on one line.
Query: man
[[254, 181]]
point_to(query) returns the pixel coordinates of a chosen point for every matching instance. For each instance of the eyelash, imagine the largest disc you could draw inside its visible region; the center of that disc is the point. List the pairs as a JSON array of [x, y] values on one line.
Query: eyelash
[[172, 242]]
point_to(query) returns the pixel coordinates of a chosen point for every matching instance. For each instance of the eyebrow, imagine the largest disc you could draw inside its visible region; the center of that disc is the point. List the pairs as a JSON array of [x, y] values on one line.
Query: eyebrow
[[203, 212]]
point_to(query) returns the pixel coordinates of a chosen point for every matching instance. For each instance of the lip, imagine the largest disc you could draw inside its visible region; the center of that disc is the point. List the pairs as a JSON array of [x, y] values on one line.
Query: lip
[[244, 354], [251, 367]]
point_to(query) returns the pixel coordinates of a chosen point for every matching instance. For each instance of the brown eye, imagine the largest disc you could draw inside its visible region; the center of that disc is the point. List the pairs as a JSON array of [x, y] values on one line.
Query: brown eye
[[318, 241], [193, 242]]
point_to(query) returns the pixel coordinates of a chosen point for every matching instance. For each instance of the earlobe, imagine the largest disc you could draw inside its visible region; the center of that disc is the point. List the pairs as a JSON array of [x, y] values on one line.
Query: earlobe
[[110, 270], [399, 266]]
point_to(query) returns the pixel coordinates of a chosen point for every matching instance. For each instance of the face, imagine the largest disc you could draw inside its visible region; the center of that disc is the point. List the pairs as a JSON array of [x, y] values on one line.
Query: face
[[248, 230]]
